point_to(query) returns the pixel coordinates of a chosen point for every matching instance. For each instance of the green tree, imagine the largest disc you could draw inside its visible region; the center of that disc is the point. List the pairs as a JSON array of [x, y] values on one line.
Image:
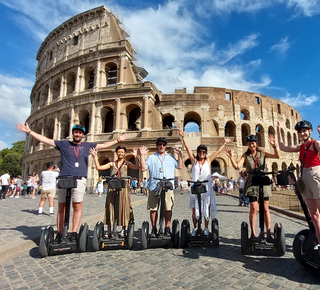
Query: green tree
[[10, 159]]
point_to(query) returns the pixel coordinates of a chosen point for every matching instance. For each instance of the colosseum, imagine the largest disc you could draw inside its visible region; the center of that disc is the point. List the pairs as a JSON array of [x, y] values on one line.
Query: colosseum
[[88, 74]]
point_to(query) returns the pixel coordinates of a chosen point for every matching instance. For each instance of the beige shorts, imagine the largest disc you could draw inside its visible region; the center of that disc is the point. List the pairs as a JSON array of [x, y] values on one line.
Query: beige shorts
[[153, 201], [311, 180], [48, 193], [76, 193]]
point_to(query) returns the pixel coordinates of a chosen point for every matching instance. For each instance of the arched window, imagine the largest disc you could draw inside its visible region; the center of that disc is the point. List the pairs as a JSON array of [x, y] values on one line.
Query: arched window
[[65, 125], [245, 131], [295, 142], [89, 78], [192, 122], [230, 130], [49, 128], [71, 83], [157, 100], [289, 139], [134, 119], [168, 122], [84, 118], [215, 167], [107, 120], [45, 94], [287, 124], [56, 89], [111, 74], [215, 131], [245, 115], [260, 135]]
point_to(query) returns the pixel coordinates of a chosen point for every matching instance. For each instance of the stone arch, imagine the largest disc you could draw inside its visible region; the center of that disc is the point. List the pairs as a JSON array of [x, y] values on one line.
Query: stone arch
[[107, 118], [49, 128], [192, 117], [131, 172], [284, 166], [295, 140], [84, 118], [71, 83], [245, 131], [133, 112], [102, 161], [215, 167], [111, 70], [230, 130], [215, 128], [45, 94], [219, 164], [282, 135], [287, 124], [245, 114], [157, 100], [37, 129], [56, 89], [274, 166], [167, 121], [89, 76], [271, 131], [64, 125], [289, 140], [260, 134]]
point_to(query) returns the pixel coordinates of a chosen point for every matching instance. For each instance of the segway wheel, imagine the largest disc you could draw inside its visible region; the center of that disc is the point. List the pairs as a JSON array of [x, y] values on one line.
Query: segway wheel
[[97, 235], [299, 246], [47, 237], [280, 239], [185, 231], [244, 238], [175, 233], [144, 235], [83, 238], [215, 232], [130, 234]]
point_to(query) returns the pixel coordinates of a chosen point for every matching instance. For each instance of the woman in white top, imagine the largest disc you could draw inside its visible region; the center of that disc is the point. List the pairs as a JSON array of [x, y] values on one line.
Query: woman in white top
[[201, 170]]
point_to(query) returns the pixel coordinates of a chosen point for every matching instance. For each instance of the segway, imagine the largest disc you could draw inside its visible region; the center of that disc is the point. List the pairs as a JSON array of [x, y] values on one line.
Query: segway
[[260, 245], [187, 239], [51, 246], [305, 240], [105, 240], [161, 240]]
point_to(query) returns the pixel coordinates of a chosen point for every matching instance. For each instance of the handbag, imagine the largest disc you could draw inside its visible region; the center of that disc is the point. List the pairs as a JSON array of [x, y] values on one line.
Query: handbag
[[117, 184], [67, 182]]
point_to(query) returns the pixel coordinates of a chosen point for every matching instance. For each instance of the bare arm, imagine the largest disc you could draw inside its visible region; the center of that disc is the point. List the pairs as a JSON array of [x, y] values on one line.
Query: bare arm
[[106, 145], [94, 153], [136, 165], [25, 128], [295, 148], [215, 154], [180, 160], [276, 153], [143, 155], [189, 151], [236, 165]]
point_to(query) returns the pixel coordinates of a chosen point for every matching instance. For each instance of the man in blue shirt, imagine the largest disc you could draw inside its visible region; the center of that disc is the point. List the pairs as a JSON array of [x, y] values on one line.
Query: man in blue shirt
[[160, 165], [74, 161]]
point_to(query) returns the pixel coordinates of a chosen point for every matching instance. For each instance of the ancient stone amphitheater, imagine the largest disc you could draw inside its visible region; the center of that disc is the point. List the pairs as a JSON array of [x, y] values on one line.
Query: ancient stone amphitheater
[[88, 74]]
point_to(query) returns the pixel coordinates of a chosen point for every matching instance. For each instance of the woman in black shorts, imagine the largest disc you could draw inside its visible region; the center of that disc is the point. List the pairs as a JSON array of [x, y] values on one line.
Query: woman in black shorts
[[254, 158]]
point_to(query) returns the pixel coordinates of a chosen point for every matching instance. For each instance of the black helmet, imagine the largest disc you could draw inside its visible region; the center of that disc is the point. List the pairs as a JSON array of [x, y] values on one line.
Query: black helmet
[[161, 139], [251, 138], [79, 127], [121, 147], [203, 147], [303, 124]]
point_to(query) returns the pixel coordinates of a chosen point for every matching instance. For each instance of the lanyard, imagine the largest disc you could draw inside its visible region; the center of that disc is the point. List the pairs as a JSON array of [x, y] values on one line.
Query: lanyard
[[76, 153], [255, 162], [162, 159], [119, 168]]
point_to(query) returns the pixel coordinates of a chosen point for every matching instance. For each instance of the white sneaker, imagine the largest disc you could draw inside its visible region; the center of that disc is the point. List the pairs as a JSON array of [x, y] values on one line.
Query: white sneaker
[[206, 232], [16, 196], [193, 233], [316, 247]]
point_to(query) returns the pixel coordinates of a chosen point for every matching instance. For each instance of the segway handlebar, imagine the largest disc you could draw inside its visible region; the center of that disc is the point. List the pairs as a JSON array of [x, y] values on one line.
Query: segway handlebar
[[198, 181], [162, 179], [262, 173], [115, 177]]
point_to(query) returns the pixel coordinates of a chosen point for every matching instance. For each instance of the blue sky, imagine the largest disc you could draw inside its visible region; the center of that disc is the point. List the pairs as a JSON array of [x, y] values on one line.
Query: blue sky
[[269, 47]]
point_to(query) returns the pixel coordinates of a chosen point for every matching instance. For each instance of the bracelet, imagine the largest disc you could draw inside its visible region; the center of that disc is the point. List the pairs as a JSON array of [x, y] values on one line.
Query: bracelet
[[274, 146], [29, 132], [118, 140]]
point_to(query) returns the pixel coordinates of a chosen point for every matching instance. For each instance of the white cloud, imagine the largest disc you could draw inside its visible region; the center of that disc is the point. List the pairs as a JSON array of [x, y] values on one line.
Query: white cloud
[[282, 46], [300, 100]]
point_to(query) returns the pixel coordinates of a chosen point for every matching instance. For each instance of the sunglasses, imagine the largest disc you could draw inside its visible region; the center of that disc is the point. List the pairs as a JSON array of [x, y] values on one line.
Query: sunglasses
[[162, 144], [202, 151]]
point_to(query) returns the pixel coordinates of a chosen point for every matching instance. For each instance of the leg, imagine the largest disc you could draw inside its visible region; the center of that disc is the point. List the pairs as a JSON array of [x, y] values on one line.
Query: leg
[[267, 217], [77, 214], [254, 206], [194, 220], [60, 216], [51, 201], [42, 201], [153, 218], [167, 217], [314, 208]]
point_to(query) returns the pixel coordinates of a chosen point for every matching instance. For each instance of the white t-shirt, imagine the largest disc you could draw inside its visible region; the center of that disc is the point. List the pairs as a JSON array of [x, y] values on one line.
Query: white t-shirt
[[241, 182], [4, 179], [49, 179]]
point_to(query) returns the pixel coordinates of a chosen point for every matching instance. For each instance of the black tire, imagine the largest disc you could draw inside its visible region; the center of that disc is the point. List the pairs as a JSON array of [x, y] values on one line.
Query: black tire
[[47, 237], [299, 246], [130, 235], [144, 235], [280, 239], [83, 238], [175, 233], [244, 238], [97, 235], [185, 232], [215, 232]]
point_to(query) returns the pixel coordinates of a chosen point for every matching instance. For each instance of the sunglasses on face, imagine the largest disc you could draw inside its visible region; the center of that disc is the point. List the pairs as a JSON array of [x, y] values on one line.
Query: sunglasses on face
[[202, 151], [162, 144]]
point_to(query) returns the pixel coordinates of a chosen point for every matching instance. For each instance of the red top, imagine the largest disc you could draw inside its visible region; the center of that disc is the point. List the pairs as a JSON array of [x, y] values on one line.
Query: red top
[[311, 159]]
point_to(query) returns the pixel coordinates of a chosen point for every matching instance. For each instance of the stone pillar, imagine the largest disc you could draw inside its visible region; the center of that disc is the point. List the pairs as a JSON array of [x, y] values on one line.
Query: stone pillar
[[97, 75], [98, 121], [117, 127], [123, 58], [78, 80], [92, 119], [72, 121], [56, 128], [49, 100], [145, 113], [62, 93]]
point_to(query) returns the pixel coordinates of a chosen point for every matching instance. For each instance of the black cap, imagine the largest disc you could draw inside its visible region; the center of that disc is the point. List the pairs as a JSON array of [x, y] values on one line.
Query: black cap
[[251, 138], [161, 139], [303, 124], [121, 147], [79, 127]]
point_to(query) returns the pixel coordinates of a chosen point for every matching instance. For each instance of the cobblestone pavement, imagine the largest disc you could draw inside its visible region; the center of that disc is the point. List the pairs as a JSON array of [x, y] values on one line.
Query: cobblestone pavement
[[167, 268]]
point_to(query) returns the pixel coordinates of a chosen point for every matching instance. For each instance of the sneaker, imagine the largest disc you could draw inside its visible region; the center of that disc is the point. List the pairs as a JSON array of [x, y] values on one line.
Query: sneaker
[[316, 247], [206, 232], [16, 197], [167, 232], [193, 233], [153, 232], [58, 238], [270, 239], [253, 239], [39, 213], [11, 196], [73, 236]]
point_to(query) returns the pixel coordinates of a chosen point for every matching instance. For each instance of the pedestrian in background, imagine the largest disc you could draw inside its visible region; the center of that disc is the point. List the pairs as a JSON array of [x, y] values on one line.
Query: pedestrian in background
[[5, 182]]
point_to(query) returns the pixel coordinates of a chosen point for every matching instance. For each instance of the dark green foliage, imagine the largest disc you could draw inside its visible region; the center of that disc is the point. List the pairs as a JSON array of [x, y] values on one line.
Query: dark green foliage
[[10, 159]]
